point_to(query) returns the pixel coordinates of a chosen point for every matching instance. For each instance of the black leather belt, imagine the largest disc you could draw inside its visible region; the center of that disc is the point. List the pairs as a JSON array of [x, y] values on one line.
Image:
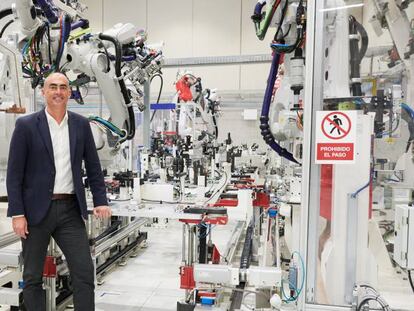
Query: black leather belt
[[63, 196]]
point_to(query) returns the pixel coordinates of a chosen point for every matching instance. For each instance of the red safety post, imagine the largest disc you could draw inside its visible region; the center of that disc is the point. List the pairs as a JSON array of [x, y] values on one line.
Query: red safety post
[[49, 268], [187, 277]]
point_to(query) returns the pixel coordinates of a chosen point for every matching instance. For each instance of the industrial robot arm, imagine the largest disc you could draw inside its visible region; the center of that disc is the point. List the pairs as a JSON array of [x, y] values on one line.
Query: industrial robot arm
[[57, 38], [205, 101], [280, 48], [131, 61]]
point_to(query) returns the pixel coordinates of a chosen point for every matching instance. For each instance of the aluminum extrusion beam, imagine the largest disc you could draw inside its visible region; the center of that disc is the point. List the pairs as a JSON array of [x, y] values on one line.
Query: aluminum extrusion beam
[[237, 296], [119, 236], [231, 246], [146, 133], [218, 60], [10, 257], [110, 262], [8, 239]]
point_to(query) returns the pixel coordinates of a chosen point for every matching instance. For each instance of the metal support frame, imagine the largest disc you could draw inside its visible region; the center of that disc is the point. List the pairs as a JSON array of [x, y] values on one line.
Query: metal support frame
[[234, 241], [8, 239], [218, 60], [133, 226], [50, 282], [146, 130], [237, 296], [351, 248], [310, 172]]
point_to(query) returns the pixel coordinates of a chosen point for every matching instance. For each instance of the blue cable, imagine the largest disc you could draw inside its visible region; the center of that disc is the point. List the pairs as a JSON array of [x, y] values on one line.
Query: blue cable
[[264, 115], [303, 271], [109, 125], [355, 194], [290, 299], [25, 46], [297, 292], [408, 109], [209, 228], [280, 45]]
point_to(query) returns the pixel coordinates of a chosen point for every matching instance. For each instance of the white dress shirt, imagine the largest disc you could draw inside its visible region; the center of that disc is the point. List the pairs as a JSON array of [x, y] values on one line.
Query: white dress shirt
[[59, 133]]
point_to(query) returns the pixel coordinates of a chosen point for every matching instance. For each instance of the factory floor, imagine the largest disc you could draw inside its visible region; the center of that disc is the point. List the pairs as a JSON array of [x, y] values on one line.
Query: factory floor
[[149, 281]]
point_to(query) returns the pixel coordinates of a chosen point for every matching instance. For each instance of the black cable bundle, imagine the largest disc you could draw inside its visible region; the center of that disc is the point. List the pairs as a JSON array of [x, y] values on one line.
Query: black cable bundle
[[357, 54], [5, 12], [5, 27], [410, 278]]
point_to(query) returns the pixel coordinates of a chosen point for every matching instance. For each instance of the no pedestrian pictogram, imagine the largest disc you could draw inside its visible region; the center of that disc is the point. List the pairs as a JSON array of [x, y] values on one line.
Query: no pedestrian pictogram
[[335, 137], [336, 125]]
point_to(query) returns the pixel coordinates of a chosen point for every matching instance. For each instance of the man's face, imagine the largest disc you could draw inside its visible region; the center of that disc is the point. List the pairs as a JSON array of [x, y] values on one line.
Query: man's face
[[56, 91]]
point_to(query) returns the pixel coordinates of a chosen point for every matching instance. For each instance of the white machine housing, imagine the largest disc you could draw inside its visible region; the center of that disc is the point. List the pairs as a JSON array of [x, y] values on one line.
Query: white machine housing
[[404, 236], [262, 277], [222, 274]]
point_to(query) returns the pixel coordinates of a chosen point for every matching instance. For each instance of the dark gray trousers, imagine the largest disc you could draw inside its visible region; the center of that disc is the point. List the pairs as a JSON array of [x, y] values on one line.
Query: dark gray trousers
[[64, 223]]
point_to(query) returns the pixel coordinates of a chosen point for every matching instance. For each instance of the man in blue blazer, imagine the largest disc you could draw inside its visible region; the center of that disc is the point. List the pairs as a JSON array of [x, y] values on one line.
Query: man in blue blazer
[[47, 196]]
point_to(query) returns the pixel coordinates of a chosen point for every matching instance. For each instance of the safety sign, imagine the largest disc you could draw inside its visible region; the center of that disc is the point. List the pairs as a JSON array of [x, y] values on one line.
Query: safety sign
[[335, 136]]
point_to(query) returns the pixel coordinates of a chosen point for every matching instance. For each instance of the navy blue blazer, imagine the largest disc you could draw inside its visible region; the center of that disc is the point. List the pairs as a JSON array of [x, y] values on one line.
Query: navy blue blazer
[[31, 168]]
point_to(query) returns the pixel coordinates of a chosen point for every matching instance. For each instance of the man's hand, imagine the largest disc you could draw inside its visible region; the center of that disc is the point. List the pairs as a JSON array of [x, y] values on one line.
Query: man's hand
[[102, 212], [20, 226]]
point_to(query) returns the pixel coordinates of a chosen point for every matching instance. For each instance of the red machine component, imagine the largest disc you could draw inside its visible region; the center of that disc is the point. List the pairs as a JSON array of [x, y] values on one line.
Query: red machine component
[[225, 202], [49, 268], [326, 191], [187, 277], [206, 294], [262, 200], [215, 257], [183, 87], [212, 220]]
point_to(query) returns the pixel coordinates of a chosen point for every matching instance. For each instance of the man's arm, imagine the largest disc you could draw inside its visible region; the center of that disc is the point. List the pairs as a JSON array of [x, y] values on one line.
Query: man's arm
[[93, 169], [15, 170], [15, 176]]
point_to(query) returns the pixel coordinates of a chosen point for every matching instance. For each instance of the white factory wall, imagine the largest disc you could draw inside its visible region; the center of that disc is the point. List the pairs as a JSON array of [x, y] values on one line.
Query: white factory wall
[[242, 131]]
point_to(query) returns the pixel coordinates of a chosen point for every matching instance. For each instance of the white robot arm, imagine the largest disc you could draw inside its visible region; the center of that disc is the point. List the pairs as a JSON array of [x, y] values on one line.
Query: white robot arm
[[205, 103], [54, 38]]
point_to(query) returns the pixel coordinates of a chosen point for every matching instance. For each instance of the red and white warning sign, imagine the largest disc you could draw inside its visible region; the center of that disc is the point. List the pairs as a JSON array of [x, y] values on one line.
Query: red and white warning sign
[[335, 137]]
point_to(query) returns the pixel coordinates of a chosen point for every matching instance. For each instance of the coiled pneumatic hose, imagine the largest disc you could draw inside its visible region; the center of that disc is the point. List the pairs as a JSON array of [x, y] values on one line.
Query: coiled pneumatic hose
[[264, 117]]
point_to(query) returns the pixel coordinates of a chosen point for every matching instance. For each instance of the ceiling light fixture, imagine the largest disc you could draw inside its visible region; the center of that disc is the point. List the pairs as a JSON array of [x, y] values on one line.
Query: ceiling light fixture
[[343, 7]]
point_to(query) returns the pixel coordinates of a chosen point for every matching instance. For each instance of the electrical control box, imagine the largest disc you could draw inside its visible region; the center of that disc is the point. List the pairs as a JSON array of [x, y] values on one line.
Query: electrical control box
[[404, 236]]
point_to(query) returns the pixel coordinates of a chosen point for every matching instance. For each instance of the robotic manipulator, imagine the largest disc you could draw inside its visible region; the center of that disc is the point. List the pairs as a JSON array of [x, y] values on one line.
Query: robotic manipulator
[[55, 38], [289, 17]]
